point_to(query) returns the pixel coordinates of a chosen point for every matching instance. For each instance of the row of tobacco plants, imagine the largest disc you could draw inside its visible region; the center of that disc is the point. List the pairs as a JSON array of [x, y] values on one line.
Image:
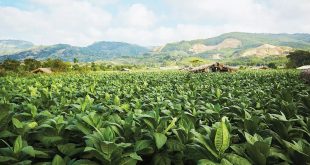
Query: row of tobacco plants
[[155, 118]]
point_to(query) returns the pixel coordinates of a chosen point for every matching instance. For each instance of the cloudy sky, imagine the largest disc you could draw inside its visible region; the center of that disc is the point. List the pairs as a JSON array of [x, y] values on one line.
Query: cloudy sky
[[146, 22]]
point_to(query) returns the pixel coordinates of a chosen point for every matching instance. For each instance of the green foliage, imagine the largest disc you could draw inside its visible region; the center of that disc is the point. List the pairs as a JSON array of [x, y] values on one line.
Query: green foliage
[[298, 58], [222, 138], [31, 64], [10, 65], [160, 140], [272, 65], [249, 117], [75, 60], [56, 65]]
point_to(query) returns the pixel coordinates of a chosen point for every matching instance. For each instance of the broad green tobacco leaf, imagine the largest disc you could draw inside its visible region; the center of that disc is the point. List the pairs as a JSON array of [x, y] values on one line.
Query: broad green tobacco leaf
[[17, 123], [206, 162], [236, 159], [33, 109], [135, 156], [57, 160], [7, 159], [29, 150], [222, 137], [128, 161], [32, 125], [218, 92], [117, 101], [18, 144], [160, 140], [142, 144]]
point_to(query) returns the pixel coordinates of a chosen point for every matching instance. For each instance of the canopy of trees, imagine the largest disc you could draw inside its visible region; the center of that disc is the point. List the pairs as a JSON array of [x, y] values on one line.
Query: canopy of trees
[[298, 58], [10, 66]]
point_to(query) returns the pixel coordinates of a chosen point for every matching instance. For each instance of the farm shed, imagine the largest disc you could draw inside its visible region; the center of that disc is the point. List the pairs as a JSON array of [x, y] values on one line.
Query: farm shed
[[42, 70], [217, 67], [305, 67]]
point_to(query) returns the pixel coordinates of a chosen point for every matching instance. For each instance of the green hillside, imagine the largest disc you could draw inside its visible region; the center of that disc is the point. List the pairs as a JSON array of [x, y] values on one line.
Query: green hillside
[[94, 52], [254, 45], [229, 47], [249, 40]]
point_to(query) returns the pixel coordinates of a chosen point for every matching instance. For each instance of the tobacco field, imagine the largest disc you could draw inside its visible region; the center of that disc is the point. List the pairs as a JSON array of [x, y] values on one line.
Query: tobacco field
[[243, 118]]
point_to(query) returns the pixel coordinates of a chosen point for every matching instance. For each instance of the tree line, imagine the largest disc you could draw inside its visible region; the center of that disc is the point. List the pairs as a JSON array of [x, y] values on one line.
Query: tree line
[[9, 66], [295, 59]]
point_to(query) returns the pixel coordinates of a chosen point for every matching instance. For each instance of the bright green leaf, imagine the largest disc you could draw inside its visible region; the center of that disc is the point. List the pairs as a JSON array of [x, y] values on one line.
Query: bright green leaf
[[160, 140]]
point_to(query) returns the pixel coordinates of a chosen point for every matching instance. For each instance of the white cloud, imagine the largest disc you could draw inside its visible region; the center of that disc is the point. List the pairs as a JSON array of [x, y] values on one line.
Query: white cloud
[[81, 22], [139, 16], [78, 23], [248, 15]]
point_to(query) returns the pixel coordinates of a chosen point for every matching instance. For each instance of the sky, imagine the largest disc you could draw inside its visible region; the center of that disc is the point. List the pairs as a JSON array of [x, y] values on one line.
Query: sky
[[146, 22]]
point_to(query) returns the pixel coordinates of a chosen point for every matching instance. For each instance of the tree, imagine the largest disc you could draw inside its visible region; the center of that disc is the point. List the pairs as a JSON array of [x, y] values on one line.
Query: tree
[[11, 65], [76, 65], [75, 60], [94, 67], [31, 64], [272, 65], [56, 65], [298, 58], [196, 62]]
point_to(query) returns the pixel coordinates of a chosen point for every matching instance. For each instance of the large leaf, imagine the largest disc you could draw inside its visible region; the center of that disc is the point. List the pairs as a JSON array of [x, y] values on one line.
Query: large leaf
[[117, 101], [128, 161], [236, 159], [84, 162], [6, 159], [69, 149], [49, 140], [205, 142], [206, 162], [258, 152], [160, 140], [18, 144], [33, 109], [29, 150], [142, 144], [17, 123], [218, 93], [57, 160], [222, 137]]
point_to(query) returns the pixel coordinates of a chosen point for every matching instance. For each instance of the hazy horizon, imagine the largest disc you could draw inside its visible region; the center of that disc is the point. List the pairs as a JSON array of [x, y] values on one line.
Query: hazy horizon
[[146, 23]]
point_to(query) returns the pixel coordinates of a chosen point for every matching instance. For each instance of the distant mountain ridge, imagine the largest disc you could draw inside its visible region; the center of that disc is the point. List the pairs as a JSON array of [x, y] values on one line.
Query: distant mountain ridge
[[227, 46], [98, 51]]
